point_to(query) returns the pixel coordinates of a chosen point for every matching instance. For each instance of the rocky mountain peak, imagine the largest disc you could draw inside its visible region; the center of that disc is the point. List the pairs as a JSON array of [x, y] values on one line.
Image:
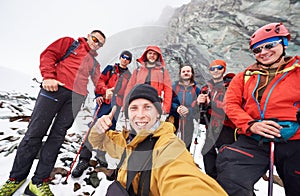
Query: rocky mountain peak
[[204, 30]]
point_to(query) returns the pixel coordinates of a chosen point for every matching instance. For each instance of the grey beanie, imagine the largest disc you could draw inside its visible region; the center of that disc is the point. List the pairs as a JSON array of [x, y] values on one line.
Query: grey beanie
[[143, 91]]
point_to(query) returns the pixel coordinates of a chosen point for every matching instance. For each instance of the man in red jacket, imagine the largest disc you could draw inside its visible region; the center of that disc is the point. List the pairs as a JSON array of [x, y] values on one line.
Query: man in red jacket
[[109, 92], [153, 71], [220, 129], [262, 102], [63, 91]]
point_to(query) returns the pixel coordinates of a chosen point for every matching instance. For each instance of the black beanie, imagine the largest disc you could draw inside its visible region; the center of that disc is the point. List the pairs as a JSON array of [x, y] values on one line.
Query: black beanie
[[143, 91], [127, 53]]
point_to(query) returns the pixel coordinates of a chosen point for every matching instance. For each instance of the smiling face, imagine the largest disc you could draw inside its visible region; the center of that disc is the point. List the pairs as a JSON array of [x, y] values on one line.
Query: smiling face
[[142, 114], [269, 55], [217, 73], [151, 56]]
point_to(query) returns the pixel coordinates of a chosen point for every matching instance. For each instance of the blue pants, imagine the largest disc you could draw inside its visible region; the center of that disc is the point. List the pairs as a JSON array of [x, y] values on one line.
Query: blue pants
[[241, 164], [58, 110]]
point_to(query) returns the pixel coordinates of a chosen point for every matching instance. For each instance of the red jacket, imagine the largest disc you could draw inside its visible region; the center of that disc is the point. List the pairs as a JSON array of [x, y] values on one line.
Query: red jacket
[[110, 77], [73, 71], [160, 78], [282, 102], [216, 92]]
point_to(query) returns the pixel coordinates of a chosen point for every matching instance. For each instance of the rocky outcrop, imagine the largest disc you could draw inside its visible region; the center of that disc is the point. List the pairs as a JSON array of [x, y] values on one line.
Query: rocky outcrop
[[204, 30]]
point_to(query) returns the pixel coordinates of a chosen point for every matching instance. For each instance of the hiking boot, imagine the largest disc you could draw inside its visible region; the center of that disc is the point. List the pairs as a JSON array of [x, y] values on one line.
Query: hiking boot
[[42, 189], [10, 186], [79, 169], [102, 163]]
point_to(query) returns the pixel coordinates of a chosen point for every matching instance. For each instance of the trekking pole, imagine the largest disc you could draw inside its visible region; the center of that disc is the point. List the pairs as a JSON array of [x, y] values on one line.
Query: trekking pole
[[82, 143], [271, 177], [195, 146]]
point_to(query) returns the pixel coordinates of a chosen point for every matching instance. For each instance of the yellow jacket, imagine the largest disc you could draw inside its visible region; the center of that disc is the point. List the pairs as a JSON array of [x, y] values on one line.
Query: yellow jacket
[[174, 171]]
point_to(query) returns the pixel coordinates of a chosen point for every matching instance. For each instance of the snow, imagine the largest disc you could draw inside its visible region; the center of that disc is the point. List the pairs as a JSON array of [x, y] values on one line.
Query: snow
[[79, 128]]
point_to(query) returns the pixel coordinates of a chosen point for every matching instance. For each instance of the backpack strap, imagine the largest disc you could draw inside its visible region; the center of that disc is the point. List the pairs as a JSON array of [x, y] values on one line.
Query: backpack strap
[[71, 49], [141, 161]]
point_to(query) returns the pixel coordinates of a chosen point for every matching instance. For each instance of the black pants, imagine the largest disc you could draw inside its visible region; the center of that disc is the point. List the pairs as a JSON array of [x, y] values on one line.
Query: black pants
[[209, 159], [241, 164], [58, 110]]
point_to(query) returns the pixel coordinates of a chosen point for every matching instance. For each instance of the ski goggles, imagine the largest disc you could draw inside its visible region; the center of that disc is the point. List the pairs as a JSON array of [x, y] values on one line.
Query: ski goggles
[[95, 39], [125, 57], [266, 47], [219, 67]]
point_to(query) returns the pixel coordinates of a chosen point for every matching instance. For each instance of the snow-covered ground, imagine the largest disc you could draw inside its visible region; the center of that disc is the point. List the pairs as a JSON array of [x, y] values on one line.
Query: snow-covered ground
[[10, 104]]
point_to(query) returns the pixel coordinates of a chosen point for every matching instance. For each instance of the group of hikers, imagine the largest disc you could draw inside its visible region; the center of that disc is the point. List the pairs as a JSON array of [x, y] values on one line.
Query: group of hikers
[[246, 114]]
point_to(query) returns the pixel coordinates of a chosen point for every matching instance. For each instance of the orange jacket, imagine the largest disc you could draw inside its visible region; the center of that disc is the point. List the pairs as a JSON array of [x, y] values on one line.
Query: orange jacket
[[281, 102], [160, 78]]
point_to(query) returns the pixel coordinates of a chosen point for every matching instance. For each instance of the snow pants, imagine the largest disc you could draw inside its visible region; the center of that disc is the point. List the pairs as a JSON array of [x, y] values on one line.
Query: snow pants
[[209, 159], [58, 110], [241, 164]]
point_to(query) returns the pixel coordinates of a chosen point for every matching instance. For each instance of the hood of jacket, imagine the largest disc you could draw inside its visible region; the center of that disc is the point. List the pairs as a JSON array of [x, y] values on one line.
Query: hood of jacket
[[143, 58]]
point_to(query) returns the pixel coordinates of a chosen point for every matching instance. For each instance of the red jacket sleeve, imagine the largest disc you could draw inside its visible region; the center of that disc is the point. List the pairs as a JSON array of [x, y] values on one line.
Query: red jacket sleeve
[[52, 55], [167, 92], [234, 104]]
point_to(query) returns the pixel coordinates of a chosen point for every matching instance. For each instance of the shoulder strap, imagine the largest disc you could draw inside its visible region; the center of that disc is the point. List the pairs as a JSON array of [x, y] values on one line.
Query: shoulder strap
[[141, 161], [112, 71], [71, 49]]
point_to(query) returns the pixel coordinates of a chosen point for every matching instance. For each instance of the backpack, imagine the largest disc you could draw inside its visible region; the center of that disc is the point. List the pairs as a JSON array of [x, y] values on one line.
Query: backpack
[[71, 50]]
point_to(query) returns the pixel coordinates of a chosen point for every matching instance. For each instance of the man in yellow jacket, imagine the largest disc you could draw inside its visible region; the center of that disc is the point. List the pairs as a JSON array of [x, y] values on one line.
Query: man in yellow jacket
[[172, 169]]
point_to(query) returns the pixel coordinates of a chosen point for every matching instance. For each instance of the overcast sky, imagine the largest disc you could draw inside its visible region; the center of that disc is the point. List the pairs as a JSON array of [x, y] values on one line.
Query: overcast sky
[[28, 27]]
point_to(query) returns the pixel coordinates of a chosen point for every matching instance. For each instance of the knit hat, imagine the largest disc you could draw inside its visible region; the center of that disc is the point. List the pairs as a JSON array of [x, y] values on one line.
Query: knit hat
[[127, 53], [218, 62], [143, 91]]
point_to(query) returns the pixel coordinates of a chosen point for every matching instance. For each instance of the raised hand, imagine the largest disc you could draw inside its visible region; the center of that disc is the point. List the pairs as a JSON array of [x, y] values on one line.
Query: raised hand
[[105, 121]]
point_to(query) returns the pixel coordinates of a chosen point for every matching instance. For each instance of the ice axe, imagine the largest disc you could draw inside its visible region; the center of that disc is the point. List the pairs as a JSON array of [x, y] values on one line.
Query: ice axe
[[82, 143]]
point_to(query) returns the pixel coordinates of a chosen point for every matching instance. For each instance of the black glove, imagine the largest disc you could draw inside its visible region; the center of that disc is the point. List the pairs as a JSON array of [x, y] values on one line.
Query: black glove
[[298, 116]]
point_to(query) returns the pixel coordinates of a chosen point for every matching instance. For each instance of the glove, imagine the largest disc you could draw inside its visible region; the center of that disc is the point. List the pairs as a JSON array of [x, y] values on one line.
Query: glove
[[298, 116]]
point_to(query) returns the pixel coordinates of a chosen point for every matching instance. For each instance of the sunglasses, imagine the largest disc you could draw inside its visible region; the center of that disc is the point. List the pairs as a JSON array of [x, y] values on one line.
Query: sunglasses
[[96, 41], [219, 67], [125, 57], [267, 47]]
